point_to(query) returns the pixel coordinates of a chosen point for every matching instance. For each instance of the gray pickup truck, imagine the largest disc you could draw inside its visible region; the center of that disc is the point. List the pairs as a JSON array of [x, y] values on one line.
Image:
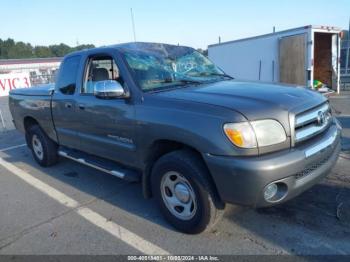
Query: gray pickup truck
[[195, 137]]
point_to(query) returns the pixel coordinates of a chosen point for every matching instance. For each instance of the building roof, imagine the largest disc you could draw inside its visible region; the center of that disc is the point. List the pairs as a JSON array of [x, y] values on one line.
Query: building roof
[[30, 61], [329, 28]]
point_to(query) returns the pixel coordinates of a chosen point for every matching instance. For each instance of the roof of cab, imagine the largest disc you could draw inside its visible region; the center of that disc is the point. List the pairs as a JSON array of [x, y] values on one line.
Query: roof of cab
[[130, 45]]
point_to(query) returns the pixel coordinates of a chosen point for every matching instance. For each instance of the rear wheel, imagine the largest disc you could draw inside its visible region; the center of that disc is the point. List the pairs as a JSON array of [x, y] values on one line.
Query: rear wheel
[[184, 193], [44, 150]]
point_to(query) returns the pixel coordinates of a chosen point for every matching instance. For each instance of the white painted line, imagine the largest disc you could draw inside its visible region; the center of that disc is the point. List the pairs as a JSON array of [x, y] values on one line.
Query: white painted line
[[41, 186], [96, 219], [119, 232], [2, 120], [12, 147]]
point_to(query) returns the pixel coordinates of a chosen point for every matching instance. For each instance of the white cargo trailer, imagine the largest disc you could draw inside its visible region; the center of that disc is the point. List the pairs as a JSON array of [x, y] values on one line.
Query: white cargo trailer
[[295, 56]]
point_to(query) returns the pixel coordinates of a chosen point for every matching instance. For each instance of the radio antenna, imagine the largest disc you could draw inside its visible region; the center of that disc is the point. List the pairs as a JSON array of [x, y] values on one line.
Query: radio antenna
[[133, 23]]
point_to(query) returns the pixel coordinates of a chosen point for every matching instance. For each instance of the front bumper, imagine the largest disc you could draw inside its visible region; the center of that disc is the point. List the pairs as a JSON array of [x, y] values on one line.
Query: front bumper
[[242, 180]]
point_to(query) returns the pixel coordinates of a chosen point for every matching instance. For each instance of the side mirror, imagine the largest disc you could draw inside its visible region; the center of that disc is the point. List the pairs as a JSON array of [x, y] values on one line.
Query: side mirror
[[109, 89]]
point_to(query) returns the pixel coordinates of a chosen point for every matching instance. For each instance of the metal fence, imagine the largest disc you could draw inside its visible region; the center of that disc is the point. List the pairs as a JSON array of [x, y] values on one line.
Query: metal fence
[[344, 87], [42, 79], [345, 66], [344, 71]]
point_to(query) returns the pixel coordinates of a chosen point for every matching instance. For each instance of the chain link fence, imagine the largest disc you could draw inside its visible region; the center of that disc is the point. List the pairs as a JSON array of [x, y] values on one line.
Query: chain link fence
[[41, 79]]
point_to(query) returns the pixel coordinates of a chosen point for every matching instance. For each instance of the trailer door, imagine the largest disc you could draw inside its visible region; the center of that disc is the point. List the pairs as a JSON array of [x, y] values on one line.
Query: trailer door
[[292, 59], [335, 62]]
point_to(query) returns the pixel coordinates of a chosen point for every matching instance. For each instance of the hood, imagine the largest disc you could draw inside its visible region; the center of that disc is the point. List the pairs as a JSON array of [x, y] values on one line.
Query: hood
[[254, 100]]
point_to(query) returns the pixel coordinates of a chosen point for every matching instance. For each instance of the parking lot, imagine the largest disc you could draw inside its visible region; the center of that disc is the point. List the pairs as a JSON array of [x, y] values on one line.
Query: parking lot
[[73, 209]]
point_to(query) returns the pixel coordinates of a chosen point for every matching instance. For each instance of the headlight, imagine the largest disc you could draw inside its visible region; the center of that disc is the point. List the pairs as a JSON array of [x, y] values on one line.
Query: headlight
[[256, 133], [269, 132]]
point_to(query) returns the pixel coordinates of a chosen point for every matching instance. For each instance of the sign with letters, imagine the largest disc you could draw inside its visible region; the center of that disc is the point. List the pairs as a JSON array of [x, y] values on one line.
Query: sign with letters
[[13, 81]]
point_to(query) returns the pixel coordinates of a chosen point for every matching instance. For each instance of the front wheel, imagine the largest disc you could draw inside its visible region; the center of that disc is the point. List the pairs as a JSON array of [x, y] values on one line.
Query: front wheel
[[184, 193]]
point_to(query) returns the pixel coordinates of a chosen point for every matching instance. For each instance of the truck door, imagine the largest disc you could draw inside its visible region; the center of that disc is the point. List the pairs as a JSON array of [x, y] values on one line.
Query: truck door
[[292, 59], [106, 126], [63, 103]]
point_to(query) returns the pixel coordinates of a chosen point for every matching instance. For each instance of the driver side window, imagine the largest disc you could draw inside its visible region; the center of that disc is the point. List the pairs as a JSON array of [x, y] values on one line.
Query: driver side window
[[100, 69]]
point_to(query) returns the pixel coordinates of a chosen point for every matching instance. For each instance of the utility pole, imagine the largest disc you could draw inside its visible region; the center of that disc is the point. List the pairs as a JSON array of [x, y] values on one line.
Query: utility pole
[[133, 24]]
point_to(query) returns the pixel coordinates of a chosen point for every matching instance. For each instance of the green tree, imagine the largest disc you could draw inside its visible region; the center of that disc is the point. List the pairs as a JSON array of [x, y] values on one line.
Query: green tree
[[42, 51], [9, 49], [21, 50], [6, 47], [60, 50], [82, 47]]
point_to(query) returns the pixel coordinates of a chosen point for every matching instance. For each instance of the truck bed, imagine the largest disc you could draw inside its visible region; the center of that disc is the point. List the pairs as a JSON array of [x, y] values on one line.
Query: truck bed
[[27, 104], [42, 90]]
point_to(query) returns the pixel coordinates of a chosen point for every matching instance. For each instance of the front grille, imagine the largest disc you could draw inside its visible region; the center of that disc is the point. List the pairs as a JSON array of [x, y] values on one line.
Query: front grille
[[311, 168], [312, 122]]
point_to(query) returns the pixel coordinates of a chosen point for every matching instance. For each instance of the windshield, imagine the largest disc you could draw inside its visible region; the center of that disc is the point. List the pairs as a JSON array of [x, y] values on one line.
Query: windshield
[[159, 67]]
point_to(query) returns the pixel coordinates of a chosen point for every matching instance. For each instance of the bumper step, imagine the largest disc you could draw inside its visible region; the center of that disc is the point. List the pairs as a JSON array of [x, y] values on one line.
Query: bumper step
[[100, 164]]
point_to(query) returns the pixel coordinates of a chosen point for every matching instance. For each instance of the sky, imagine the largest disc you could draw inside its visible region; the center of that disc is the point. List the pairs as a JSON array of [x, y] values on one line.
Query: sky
[[192, 22]]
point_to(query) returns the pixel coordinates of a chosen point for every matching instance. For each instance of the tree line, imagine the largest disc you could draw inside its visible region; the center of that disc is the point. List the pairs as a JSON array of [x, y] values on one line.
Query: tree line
[[10, 49]]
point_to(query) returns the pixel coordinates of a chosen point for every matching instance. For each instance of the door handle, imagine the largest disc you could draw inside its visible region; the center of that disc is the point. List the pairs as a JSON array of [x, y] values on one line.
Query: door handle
[[81, 106], [68, 105]]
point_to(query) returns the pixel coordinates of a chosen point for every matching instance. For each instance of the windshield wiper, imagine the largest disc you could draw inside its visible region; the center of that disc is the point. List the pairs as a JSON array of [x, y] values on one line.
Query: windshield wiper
[[181, 84], [182, 80], [188, 81], [217, 74]]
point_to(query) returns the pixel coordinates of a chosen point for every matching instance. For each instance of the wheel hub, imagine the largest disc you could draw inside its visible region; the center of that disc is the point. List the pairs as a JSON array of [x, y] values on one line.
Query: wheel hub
[[182, 192], [37, 147], [178, 195]]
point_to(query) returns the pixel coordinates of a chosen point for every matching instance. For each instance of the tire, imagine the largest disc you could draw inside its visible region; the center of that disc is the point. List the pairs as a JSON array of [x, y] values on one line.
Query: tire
[[44, 150], [182, 188]]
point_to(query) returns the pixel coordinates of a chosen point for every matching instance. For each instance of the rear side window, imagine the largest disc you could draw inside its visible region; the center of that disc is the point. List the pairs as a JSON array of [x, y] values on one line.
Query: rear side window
[[68, 74]]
